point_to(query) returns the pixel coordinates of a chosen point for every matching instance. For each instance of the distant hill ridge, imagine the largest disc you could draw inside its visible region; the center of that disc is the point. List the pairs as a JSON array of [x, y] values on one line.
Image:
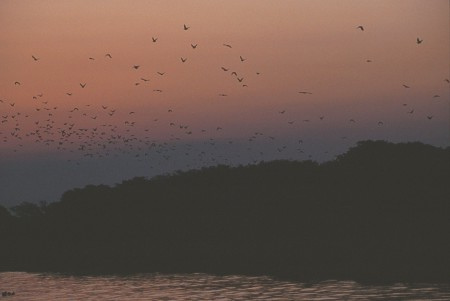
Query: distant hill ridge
[[379, 212]]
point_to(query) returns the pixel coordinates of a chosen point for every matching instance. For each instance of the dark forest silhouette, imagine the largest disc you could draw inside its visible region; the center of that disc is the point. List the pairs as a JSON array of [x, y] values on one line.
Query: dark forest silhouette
[[380, 212]]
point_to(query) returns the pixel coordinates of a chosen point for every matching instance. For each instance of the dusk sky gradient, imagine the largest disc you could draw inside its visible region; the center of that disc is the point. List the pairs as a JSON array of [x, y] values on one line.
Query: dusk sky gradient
[[122, 127]]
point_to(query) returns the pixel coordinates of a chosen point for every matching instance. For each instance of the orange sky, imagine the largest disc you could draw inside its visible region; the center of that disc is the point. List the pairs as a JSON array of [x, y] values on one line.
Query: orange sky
[[295, 46]]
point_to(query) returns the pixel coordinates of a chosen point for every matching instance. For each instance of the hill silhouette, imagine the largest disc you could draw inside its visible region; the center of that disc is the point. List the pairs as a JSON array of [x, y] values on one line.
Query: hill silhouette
[[379, 212]]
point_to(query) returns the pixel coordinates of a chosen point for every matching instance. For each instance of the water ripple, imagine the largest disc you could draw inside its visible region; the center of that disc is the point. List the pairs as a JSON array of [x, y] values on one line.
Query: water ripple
[[199, 287]]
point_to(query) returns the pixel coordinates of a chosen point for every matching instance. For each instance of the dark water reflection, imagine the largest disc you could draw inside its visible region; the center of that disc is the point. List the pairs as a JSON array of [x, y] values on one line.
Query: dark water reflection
[[36, 287]]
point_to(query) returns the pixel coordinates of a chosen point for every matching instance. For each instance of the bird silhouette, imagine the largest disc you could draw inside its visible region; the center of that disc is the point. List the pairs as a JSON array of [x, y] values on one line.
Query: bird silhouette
[[194, 46], [240, 79], [224, 69], [242, 59], [183, 59], [447, 80], [160, 73], [108, 55], [35, 58], [360, 27], [419, 41], [70, 94], [304, 92], [136, 67], [227, 45], [154, 39], [185, 27], [406, 86], [92, 59], [17, 83], [436, 96], [144, 79], [222, 94], [380, 123], [83, 85], [429, 117]]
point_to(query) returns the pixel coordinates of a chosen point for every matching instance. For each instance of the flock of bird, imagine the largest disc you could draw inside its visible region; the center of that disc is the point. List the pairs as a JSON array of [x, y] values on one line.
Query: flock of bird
[[100, 130]]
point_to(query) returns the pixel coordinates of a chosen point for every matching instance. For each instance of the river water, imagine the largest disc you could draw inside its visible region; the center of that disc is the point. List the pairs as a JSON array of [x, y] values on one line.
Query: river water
[[37, 287]]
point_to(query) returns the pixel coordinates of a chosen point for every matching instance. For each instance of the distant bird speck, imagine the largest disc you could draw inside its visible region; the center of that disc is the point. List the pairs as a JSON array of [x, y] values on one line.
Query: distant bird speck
[[35, 58], [185, 27], [154, 39], [227, 45], [82, 85], [242, 59], [136, 67], [108, 55], [194, 46], [183, 59], [419, 41], [360, 27]]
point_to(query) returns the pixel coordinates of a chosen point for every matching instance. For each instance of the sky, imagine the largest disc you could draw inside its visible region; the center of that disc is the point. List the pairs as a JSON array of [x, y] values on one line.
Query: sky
[[96, 92]]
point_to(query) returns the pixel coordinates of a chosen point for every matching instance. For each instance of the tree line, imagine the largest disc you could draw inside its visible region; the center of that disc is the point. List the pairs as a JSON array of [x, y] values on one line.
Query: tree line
[[379, 212]]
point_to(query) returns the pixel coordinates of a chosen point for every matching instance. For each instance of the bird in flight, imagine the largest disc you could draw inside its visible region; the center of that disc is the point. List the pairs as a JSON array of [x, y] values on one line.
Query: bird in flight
[[17, 83], [92, 59], [160, 73], [242, 59], [185, 27], [70, 94], [436, 96], [360, 27], [380, 123], [447, 80], [227, 45], [35, 58], [368, 61], [183, 60], [194, 46], [157, 90], [154, 39], [304, 92], [224, 69], [83, 85], [108, 55], [136, 67], [419, 41], [429, 117], [222, 94], [240, 79], [406, 86], [144, 79]]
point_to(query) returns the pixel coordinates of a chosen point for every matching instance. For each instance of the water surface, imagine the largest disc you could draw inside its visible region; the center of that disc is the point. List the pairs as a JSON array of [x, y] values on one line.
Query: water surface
[[37, 287]]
